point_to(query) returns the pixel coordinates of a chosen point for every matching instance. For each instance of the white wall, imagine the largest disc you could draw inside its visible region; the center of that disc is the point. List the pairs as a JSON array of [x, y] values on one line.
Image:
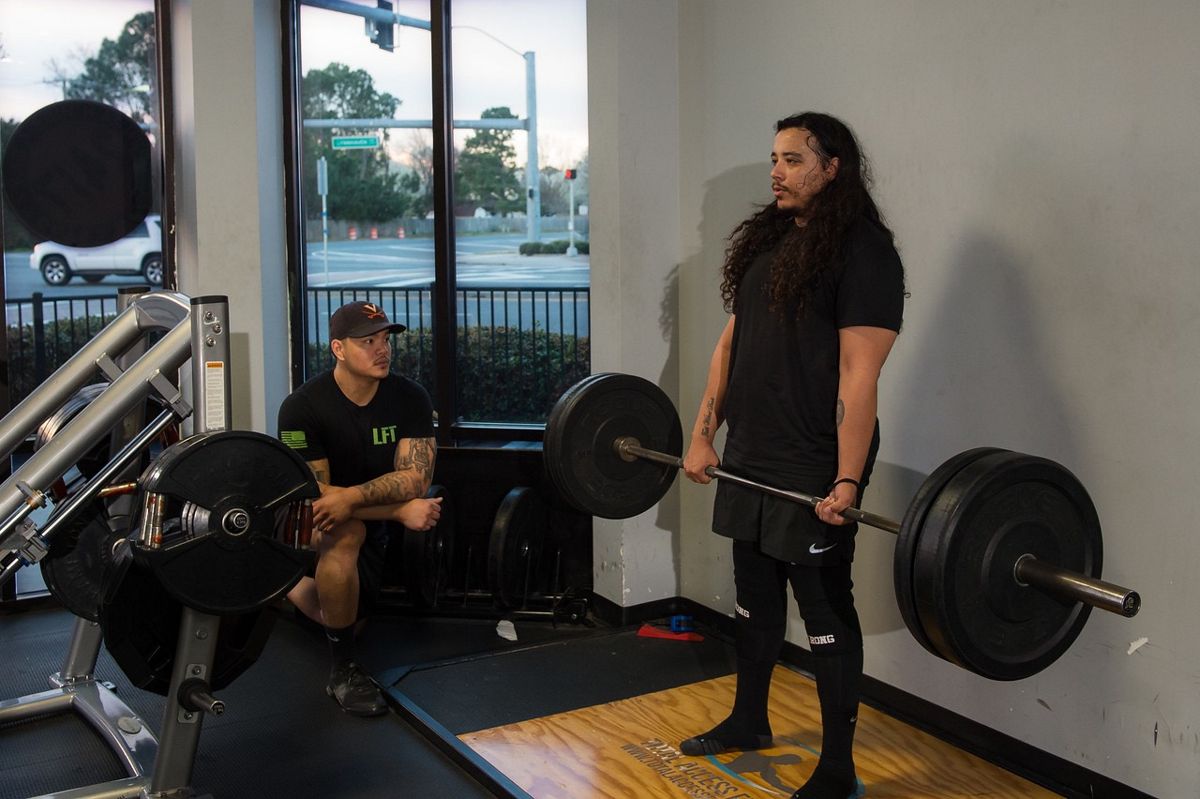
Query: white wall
[[1037, 163], [230, 220], [633, 138]]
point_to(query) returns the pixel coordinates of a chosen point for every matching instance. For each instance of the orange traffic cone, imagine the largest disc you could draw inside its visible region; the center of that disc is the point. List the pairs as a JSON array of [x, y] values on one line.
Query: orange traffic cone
[[400, 232], [352, 234], [374, 233]]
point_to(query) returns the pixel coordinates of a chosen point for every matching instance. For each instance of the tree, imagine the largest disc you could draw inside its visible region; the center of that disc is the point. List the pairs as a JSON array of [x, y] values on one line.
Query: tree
[[486, 171], [361, 185], [556, 192], [419, 181], [122, 71]]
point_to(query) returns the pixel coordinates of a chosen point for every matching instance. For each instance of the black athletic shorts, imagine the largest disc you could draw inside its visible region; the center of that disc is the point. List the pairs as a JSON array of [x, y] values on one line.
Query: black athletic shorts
[[787, 530], [371, 561]]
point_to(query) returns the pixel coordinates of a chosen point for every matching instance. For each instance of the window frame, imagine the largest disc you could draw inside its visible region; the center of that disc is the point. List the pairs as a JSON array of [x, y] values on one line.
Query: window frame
[[444, 299]]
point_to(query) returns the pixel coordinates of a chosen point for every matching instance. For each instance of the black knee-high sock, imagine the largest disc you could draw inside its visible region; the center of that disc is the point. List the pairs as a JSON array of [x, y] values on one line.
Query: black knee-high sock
[[753, 691], [838, 677], [341, 643]]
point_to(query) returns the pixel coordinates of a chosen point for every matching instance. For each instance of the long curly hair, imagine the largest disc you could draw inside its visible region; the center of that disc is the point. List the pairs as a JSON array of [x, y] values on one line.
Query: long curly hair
[[805, 256]]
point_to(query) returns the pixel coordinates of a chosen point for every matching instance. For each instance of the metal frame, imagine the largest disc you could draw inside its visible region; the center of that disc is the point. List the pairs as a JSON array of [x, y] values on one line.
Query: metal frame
[[198, 326]]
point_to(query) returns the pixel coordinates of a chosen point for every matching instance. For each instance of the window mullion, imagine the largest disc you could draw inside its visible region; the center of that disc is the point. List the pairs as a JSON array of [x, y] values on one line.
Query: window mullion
[[444, 309]]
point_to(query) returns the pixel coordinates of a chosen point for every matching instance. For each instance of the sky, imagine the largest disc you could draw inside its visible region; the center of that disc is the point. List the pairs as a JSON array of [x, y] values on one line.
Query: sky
[[485, 72], [35, 33]]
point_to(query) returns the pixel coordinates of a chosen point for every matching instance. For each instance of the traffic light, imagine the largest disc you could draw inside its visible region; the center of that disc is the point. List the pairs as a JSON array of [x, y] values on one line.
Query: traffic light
[[569, 174], [382, 33]]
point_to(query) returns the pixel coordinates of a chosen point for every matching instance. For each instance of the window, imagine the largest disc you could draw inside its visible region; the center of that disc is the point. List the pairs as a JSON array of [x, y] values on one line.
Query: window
[[511, 266], [55, 297]]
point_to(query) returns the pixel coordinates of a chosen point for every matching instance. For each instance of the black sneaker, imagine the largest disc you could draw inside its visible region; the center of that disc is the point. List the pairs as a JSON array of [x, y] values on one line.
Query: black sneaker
[[717, 742], [355, 691]]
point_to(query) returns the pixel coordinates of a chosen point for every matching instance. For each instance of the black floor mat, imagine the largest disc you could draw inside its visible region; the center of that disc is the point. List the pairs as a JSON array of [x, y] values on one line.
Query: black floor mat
[[516, 685], [281, 737]]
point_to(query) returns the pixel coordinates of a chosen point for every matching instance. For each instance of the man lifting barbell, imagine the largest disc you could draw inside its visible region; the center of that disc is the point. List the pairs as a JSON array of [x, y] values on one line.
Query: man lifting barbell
[[816, 293], [999, 554]]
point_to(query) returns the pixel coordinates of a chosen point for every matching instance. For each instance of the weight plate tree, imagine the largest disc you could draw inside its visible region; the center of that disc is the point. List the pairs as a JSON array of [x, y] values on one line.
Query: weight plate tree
[[515, 547], [997, 560]]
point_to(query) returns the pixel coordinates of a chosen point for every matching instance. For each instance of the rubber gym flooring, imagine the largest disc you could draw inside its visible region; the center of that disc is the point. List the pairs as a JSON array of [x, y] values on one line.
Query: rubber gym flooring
[[571, 712]]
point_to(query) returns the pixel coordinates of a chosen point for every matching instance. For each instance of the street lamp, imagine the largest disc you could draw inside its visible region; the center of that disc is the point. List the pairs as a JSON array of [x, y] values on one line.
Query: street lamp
[[533, 192]]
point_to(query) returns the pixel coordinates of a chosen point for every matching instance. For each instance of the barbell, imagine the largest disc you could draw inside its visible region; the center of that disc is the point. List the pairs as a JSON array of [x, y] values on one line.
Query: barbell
[[998, 557]]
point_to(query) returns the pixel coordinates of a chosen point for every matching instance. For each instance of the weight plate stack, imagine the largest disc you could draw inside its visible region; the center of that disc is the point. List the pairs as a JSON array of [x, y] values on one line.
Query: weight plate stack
[[910, 534], [580, 433], [993, 511], [515, 547]]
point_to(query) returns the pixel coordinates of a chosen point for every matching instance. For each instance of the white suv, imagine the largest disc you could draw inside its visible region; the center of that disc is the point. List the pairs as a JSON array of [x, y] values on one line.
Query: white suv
[[139, 253]]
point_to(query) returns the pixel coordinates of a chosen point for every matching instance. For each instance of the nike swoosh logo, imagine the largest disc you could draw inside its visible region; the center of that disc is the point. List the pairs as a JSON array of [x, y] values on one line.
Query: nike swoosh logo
[[815, 550]]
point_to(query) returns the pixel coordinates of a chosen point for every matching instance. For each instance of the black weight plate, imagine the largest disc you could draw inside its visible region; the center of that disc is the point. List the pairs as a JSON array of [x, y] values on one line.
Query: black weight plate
[[428, 555], [140, 622], [79, 559], [515, 547], [994, 510], [98, 456], [211, 469], [910, 533], [554, 437], [580, 433], [78, 172], [569, 445], [206, 562]]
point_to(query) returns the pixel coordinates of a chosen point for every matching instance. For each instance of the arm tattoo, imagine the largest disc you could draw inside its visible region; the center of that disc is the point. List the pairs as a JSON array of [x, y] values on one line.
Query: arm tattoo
[[707, 421], [320, 470], [414, 469], [841, 412]]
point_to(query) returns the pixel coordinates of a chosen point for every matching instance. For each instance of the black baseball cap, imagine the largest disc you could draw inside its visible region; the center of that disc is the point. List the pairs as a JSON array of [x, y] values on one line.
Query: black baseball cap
[[360, 319]]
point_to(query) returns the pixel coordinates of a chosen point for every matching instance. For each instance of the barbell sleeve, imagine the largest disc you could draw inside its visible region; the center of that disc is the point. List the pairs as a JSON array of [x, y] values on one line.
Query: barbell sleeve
[[1027, 570], [1065, 584]]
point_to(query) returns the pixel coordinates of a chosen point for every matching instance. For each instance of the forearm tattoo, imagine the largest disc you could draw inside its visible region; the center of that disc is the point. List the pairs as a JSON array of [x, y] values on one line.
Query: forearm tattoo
[[320, 470], [414, 470], [841, 412], [706, 422]]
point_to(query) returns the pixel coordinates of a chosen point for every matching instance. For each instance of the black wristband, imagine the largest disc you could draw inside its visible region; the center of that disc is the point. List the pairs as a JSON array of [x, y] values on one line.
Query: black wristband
[[850, 480]]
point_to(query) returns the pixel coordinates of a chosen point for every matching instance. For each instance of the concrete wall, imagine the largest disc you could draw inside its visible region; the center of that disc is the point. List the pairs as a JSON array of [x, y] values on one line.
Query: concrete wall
[[1036, 161], [633, 112], [229, 184]]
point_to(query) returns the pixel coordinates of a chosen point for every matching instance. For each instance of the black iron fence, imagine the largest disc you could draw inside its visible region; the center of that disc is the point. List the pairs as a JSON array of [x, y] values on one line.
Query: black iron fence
[[43, 332], [518, 348]]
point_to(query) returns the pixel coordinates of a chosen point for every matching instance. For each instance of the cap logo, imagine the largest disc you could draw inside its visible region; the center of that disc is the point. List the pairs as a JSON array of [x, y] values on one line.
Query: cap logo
[[373, 311]]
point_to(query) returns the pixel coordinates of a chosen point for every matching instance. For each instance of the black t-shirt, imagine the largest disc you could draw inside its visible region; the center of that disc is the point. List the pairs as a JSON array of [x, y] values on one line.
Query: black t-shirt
[[318, 421], [781, 395]]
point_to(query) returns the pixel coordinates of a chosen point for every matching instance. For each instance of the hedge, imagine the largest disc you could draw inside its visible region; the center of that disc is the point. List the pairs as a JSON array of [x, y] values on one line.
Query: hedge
[[558, 247], [505, 374]]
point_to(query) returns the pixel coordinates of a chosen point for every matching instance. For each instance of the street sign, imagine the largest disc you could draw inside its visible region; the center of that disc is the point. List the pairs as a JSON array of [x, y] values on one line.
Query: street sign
[[354, 142]]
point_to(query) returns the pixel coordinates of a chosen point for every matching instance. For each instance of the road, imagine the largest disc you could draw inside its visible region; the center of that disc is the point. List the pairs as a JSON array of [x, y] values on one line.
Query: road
[[487, 260]]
